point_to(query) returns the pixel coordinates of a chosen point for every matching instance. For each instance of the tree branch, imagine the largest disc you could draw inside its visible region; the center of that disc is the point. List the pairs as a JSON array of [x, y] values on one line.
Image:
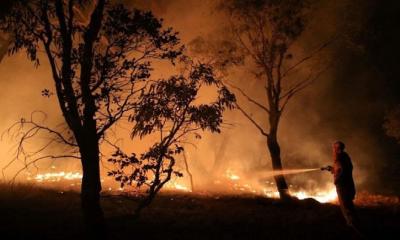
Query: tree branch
[[303, 60], [248, 97], [299, 87], [252, 121], [34, 161]]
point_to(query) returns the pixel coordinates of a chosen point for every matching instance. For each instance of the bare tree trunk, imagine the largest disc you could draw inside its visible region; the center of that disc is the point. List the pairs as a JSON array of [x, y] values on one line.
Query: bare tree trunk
[[157, 184], [275, 153], [188, 171], [90, 190]]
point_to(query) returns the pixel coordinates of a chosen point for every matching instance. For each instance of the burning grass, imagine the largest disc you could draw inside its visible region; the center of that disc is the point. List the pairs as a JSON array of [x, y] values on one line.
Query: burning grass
[[229, 183]]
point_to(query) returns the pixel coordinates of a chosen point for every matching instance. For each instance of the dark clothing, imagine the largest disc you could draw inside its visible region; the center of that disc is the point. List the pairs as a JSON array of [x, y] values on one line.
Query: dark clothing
[[343, 177], [347, 207]]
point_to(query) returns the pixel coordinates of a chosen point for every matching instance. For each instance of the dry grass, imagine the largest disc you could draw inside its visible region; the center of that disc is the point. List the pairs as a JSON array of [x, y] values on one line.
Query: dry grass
[[29, 212]]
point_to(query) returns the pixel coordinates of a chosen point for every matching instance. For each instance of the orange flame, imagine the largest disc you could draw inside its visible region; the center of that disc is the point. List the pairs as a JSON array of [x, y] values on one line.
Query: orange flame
[[235, 180]]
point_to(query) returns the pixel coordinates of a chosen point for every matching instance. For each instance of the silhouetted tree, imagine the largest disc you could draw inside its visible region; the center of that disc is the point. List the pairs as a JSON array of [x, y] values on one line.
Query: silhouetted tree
[[5, 7], [188, 171], [262, 31], [171, 109], [99, 66]]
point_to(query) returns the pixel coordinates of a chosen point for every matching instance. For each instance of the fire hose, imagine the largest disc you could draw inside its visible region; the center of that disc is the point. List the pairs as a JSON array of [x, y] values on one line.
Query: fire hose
[[327, 168]]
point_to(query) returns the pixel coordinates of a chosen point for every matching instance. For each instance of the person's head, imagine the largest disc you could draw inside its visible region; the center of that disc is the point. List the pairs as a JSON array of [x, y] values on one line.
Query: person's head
[[338, 147]]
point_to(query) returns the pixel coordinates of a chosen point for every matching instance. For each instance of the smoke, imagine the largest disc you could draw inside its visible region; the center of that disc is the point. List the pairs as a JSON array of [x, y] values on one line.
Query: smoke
[[339, 105]]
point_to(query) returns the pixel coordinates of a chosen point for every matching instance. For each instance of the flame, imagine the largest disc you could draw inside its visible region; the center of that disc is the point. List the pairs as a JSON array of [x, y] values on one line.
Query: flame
[[175, 186], [181, 187], [323, 196], [269, 189], [62, 177], [56, 176], [229, 173], [236, 182], [271, 193]]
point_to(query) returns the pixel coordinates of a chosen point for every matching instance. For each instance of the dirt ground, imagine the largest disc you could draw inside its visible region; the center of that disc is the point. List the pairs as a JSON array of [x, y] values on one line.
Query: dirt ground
[[35, 213]]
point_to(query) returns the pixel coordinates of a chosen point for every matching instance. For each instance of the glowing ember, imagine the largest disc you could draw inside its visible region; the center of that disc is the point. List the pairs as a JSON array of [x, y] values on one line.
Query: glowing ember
[[269, 190], [181, 187], [232, 176], [56, 177], [178, 187], [234, 180], [321, 196], [271, 194]]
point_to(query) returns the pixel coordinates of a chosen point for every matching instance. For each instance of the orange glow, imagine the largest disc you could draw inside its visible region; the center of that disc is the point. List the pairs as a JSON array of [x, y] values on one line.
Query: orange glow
[[323, 196], [56, 177], [179, 187], [268, 189], [233, 181], [229, 173]]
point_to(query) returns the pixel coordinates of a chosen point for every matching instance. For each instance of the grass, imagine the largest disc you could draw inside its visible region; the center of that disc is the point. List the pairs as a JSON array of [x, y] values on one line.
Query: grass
[[29, 212]]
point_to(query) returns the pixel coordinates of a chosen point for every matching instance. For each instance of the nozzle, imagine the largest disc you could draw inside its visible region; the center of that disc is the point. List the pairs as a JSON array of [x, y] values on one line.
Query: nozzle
[[327, 168]]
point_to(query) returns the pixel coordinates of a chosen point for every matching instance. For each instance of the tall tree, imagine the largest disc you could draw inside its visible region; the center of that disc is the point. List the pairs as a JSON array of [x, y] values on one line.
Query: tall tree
[[99, 65], [264, 32]]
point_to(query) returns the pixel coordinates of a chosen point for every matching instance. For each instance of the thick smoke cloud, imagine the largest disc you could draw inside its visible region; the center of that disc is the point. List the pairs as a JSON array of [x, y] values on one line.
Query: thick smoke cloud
[[347, 102]]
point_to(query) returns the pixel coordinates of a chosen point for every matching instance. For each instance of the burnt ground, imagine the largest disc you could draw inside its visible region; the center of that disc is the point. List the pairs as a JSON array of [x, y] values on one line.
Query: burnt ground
[[34, 213]]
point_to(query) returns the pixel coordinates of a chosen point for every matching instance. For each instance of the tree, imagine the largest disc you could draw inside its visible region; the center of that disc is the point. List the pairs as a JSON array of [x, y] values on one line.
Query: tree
[[99, 66], [264, 31], [5, 6], [170, 108]]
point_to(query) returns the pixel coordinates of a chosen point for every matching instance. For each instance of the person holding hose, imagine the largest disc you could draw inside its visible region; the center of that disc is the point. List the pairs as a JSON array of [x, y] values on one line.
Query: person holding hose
[[342, 171]]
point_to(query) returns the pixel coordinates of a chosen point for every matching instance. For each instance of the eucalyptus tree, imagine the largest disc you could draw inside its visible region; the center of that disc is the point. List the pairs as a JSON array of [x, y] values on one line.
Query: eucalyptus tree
[[100, 57]]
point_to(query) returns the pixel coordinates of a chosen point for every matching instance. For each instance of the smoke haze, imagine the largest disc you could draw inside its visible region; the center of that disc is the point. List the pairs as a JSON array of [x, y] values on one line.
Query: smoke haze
[[347, 102]]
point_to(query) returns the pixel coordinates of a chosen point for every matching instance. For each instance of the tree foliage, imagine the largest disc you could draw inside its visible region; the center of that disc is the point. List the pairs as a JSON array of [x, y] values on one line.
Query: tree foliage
[[100, 55], [170, 109], [126, 43], [101, 58], [265, 30]]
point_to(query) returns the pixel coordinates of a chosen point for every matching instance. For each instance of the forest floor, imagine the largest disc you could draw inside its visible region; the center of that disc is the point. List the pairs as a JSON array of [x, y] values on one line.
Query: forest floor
[[28, 212]]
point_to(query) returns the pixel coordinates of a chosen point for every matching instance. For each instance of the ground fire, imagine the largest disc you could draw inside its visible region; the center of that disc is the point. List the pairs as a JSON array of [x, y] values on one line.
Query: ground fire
[[188, 119], [232, 183]]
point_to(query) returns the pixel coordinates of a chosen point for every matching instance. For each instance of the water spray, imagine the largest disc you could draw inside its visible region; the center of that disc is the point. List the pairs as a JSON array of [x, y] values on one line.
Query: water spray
[[293, 171], [273, 173]]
